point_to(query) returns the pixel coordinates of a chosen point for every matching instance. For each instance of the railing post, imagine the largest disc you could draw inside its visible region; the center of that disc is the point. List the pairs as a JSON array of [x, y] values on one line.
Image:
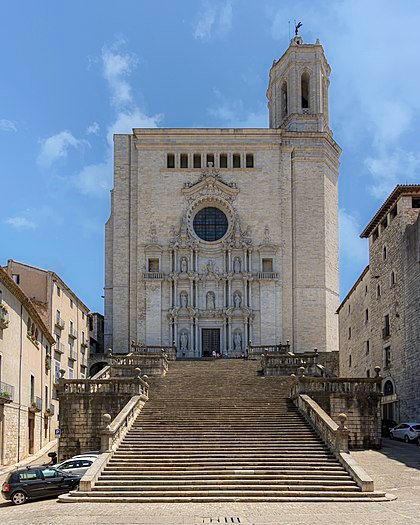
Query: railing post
[[106, 440], [342, 435]]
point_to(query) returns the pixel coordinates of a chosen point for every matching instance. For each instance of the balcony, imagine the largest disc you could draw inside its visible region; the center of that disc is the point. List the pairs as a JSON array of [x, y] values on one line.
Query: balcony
[[4, 317], [73, 332], [84, 344], [33, 339], [59, 347], [72, 355], [49, 412], [59, 323], [267, 275], [153, 275], [6, 393], [36, 405]]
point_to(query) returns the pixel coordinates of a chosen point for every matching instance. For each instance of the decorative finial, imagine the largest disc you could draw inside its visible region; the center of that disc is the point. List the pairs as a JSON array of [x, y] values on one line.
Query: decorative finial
[[297, 27]]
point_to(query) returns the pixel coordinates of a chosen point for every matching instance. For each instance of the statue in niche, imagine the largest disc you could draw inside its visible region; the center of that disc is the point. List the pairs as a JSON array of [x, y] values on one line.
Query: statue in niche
[[183, 339], [237, 265], [184, 299], [184, 265], [210, 301], [237, 299], [237, 342]]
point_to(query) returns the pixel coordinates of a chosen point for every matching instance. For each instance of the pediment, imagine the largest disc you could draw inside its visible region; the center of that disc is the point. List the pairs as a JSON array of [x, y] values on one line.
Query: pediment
[[210, 183]]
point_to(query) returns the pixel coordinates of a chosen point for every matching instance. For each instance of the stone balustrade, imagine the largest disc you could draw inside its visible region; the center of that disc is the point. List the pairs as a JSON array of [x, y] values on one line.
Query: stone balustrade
[[255, 351], [337, 385], [114, 385], [140, 348]]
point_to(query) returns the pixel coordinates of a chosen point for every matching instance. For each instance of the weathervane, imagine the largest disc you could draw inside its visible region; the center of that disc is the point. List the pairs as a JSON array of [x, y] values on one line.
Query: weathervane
[[297, 27]]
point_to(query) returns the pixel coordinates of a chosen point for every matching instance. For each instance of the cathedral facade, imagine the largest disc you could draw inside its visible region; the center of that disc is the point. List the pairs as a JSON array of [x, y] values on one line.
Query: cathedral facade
[[222, 237]]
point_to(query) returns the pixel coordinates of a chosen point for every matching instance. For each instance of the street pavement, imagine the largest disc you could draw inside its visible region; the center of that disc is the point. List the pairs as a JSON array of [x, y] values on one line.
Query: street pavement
[[395, 469]]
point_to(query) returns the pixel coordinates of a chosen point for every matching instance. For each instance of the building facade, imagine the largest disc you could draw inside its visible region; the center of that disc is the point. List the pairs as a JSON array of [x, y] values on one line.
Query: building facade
[[64, 314], [219, 237], [28, 414], [379, 320]]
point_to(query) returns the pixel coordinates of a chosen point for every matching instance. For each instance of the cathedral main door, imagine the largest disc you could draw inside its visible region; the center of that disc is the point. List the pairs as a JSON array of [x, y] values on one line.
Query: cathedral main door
[[210, 340]]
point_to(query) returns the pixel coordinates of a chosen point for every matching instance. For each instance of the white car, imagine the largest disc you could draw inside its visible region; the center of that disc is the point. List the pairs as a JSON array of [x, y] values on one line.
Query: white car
[[409, 431], [77, 465]]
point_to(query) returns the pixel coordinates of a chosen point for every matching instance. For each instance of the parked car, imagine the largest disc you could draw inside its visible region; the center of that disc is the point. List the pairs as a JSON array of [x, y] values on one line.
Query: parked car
[[409, 431], [386, 426], [77, 465], [35, 482]]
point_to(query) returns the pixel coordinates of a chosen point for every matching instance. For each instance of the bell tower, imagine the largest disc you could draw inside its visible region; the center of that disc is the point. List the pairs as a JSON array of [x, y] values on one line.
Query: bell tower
[[298, 88]]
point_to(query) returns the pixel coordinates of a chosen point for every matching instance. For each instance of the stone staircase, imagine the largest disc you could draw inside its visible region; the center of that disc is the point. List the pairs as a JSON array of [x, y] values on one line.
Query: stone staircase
[[215, 431]]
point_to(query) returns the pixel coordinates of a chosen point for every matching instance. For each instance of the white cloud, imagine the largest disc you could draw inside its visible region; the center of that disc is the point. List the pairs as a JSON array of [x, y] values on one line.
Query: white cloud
[[353, 249], [215, 19], [93, 129], [234, 114], [116, 66], [57, 146], [21, 223], [96, 179], [390, 169], [7, 125]]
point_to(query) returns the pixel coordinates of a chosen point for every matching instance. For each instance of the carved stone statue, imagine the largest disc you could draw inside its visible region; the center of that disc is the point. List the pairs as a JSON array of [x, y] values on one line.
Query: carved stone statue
[[183, 339], [210, 301], [237, 342], [237, 299], [184, 265], [237, 265], [184, 299]]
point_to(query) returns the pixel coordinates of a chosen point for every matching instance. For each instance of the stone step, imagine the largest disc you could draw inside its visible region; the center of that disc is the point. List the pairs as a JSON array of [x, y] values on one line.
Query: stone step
[[225, 469], [250, 483], [295, 496], [220, 476]]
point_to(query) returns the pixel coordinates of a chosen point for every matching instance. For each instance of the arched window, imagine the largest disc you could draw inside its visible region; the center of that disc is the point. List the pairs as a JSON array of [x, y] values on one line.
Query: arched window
[[388, 388], [304, 83], [284, 108]]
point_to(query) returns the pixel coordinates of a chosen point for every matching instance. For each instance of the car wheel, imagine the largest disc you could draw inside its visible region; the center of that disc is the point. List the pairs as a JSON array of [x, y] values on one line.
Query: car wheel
[[19, 498], [406, 439]]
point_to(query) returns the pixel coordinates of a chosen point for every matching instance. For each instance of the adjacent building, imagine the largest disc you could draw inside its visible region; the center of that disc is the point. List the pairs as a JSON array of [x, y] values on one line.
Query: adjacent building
[[379, 320], [65, 315], [219, 237], [28, 415]]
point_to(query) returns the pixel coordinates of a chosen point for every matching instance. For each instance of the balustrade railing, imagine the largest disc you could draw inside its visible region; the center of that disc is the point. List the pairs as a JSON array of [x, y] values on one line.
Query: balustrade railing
[[258, 350], [115, 385], [140, 348], [153, 275], [7, 392], [336, 385]]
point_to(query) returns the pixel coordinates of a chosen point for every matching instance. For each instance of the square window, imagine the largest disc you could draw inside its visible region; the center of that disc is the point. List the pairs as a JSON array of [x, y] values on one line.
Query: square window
[[153, 265], [267, 265]]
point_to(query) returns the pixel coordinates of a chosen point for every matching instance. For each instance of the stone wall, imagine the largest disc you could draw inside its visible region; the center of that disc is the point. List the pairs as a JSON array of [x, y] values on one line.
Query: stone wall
[[359, 399]]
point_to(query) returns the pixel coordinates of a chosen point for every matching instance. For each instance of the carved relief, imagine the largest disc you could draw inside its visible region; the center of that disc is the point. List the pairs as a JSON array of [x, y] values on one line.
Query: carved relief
[[237, 341], [210, 301], [183, 341], [237, 299], [237, 265], [183, 297]]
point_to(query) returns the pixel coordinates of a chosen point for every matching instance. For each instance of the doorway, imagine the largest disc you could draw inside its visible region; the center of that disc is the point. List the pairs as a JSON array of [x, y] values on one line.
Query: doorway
[[210, 338], [31, 432]]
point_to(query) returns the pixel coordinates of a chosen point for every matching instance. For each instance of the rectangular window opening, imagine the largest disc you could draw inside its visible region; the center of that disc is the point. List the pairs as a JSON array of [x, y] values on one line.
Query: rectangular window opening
[[170, 160], [236, 160], [153, 265], [267, 265], [184, 160], [223, 160], [197, 160], [416, 202], [249, 159], [210, 160]]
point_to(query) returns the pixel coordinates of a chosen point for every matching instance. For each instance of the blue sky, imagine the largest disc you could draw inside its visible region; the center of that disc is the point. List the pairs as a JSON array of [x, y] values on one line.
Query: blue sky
[[74, 73]]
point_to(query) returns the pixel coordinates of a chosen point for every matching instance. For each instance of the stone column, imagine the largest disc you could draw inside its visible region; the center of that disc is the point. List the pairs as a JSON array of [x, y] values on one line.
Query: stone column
[[175, 292], [191, 349], [245, 298], [176, 260], [229, 260], [196, 347]]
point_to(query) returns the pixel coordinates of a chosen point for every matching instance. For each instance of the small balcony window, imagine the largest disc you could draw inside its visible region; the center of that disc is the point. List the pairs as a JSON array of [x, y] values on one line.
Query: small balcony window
[[153, 265]]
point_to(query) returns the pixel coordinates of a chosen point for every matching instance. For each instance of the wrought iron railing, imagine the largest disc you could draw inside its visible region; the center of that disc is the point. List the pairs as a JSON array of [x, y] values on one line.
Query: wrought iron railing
[[7, 392]]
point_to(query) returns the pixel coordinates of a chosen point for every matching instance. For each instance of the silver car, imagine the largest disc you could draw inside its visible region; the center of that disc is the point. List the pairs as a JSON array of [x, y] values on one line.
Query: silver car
[[409, 431], [77, 465]]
